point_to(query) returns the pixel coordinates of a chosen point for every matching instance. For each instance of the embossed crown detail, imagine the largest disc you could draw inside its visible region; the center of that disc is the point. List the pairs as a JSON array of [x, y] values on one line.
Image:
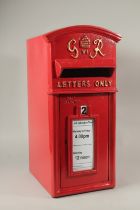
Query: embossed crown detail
[[85, 46], [85, 42]]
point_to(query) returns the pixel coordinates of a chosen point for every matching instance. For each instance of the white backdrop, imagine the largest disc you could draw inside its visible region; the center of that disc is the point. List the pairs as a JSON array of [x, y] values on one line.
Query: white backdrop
[[22, 19]]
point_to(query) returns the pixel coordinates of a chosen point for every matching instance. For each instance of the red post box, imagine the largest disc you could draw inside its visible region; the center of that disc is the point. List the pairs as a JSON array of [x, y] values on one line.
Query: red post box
[[71, 106]]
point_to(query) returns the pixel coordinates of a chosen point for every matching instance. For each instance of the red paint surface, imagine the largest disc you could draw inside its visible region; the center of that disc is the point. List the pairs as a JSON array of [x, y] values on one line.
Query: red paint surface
[[51, 110]]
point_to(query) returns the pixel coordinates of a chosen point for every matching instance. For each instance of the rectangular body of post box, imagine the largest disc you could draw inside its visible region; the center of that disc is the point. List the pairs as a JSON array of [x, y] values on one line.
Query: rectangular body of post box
[[71, 108]]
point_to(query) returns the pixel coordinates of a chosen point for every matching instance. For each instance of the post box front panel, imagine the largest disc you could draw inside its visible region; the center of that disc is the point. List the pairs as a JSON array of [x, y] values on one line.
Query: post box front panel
[[84, 126]]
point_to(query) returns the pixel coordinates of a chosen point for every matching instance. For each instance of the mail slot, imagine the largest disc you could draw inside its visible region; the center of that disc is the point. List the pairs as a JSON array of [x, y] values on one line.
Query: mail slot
[[71, 109]]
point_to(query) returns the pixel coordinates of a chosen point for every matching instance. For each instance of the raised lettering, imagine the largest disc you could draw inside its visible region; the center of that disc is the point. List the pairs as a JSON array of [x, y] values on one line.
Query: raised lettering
[[64, 84], [88, 83], [102, 83], [109, 83], [72, 48], [78, 83], [98, 48], [59, 85], [96, 83]]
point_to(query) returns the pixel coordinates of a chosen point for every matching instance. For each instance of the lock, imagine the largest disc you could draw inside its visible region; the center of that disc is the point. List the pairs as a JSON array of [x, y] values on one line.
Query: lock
[[71, 108]]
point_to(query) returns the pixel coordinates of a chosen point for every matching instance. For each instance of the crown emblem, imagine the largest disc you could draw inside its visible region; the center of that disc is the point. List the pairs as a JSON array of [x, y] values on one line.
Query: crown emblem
[[85, 42]]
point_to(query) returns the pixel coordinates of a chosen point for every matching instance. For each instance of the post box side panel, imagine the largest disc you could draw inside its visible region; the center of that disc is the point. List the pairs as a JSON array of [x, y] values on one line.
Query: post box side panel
[[39, 115], [98, 104]]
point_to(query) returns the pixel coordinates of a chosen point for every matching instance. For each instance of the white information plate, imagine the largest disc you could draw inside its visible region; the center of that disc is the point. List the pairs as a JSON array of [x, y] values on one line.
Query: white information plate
[[83, 143]]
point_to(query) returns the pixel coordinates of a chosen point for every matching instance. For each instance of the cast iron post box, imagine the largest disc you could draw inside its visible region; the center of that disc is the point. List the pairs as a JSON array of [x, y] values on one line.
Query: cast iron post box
[[71, 106]]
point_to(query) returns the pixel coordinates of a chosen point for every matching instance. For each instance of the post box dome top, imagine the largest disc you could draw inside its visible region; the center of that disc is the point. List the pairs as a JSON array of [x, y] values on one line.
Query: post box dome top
[[80, 29]]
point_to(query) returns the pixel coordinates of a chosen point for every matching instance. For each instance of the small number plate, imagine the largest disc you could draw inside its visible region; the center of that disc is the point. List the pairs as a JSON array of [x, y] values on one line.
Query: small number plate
[[84, 109]]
